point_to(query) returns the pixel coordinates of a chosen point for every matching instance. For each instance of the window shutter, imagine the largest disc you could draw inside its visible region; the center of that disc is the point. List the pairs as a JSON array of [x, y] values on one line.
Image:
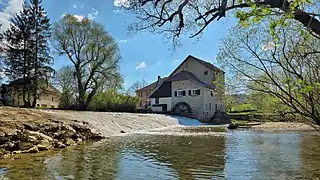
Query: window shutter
[[183, 93], [198, 91], [175, 93], [189, 92]]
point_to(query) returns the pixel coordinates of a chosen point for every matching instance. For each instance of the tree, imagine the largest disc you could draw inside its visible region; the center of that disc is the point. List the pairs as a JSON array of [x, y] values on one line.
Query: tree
[[41, 33], [174, 17], [92, 52], [137, 85], [66, 81], [286, 68], [27, 53], [19, 53]]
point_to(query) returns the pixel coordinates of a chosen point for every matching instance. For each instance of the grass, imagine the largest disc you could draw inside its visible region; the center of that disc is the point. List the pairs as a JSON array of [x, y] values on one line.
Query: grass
[[238, 122]]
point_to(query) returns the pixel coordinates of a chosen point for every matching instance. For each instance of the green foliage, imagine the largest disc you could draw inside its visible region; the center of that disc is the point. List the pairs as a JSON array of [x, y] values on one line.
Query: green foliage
[[244, 107], [113, 101], [93, 53], [28, 55]]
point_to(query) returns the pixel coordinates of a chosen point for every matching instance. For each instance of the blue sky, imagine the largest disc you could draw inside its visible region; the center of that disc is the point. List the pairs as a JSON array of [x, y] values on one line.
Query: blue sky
[[144, 55]]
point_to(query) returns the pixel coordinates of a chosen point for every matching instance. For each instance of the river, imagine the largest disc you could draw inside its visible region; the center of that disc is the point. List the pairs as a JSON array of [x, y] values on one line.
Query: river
[[180, 153]]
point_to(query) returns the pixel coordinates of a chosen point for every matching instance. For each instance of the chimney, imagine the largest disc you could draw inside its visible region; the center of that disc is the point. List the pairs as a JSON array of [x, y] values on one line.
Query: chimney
[[159, 78]]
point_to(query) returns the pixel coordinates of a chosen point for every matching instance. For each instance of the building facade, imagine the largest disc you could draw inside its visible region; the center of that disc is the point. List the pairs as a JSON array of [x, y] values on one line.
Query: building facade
[[48, 97], [190, 89]]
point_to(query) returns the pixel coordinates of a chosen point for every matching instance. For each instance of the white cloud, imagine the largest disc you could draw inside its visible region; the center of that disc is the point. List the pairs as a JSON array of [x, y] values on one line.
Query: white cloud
[[13, 7], [74, 6], [123, 41], [125, 84], [93, 15], [121, 3], [141, 65], [176, 61], [81, 6]]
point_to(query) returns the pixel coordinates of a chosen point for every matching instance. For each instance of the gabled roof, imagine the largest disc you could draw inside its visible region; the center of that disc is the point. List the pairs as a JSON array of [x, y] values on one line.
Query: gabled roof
[[163, 91], [205, 63], [148, 87], [186, 75], [152, 85]]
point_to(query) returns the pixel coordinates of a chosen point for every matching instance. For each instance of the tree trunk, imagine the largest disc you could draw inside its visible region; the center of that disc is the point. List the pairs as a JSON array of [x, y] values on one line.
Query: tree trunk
[[35, 87]]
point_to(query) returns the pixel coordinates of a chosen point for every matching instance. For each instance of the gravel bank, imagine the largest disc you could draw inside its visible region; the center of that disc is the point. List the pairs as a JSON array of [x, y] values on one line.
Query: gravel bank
[[274, 126]]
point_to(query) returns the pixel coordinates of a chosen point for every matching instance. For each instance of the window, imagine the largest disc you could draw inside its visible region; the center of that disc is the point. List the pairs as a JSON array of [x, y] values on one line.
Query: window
[[157, 101], [211, 93], [206, 73], [194, 92], [52, 98], [180, 93], [210, 107]]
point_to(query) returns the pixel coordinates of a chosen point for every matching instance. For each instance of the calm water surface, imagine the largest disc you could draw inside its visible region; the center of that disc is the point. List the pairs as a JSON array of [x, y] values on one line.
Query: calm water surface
[[188, 153]]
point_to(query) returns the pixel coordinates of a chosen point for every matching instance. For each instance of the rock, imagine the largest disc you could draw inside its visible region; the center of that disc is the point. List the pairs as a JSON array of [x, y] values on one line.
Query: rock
[[79, 140], [68, 127], [42, 147], [32, 139], [70, 142], [96, 136], [3, 152], [68, 134], [59, 144], [232, 126], [50, 128], [16, 152], [13, 136], [31, 127], [2, 134], [33, 150], [3, 140], [39, 135], [25, 145], [10, 146]]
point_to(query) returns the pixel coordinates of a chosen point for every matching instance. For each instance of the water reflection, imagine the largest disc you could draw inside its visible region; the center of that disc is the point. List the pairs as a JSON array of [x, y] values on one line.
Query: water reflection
[[232, 155]]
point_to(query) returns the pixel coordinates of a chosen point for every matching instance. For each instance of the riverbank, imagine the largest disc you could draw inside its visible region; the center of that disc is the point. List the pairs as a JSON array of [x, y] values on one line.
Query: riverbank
[[32, 130], [273, 126]]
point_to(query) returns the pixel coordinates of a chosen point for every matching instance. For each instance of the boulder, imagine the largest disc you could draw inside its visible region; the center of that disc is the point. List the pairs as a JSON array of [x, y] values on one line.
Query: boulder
[[25, 145], [58, 144], [13, 136], [33, 150], [3, 152], [232, 126], [39, 135], [70, 142], [3, 140], [10, 146], [16, 152], [31, 127], [50, 128], [43, 147]]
